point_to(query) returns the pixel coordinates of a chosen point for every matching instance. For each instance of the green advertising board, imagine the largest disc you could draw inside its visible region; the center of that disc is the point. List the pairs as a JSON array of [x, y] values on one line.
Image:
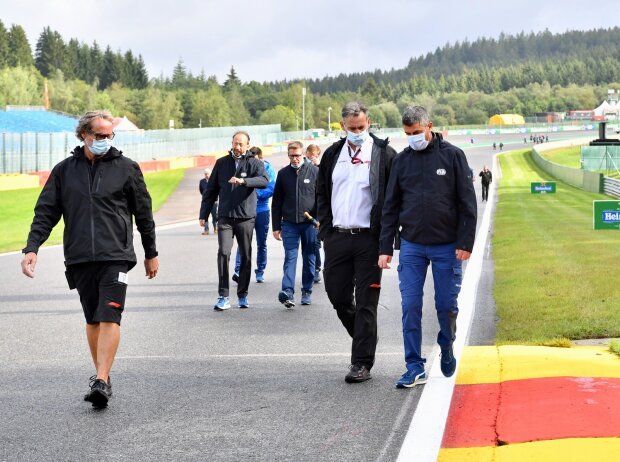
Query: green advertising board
[[606, 214], [542, 187]]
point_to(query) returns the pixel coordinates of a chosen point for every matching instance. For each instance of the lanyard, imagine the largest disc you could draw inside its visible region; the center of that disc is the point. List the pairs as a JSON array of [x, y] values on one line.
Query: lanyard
[[354, 159]]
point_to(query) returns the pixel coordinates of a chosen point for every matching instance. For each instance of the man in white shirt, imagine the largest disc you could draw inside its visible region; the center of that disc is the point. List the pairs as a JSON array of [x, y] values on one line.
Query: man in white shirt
[[353, 176]]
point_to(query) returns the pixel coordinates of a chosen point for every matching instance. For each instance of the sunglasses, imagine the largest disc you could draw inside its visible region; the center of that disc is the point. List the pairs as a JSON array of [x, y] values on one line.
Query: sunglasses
[[103, 136]]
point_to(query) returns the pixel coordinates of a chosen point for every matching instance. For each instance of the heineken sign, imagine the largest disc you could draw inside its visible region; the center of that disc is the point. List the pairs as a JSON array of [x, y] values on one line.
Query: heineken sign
[[606, 214], [542, 187]]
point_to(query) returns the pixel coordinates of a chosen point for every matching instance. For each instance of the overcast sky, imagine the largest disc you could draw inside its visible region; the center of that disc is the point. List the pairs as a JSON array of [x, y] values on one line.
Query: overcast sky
[[288, 39]]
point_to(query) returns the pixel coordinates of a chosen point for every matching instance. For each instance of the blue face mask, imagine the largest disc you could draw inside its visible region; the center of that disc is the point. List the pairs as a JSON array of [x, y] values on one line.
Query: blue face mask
[[417, 142], [357, 138], [100, 147]]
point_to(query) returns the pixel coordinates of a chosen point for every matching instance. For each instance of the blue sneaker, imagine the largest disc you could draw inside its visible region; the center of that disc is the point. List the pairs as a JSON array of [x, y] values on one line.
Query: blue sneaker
[[243, 302], [411, 378], [222, 304], [448, 362], [260, 278], [306, 298], [286, 299]]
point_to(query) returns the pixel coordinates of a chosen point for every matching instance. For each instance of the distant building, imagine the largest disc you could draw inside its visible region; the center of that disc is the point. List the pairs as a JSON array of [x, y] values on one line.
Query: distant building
[[507, 119], [550, 117], [580, 114]]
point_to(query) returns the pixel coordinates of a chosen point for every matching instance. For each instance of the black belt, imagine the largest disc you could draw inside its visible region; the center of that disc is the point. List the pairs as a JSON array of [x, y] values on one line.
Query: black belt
[[352, 230]]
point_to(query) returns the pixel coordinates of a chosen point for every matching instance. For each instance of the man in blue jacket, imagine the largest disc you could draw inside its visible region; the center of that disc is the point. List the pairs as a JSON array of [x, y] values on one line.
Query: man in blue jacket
[[430, 195], [293, 198], [262, 221], [234, 180]]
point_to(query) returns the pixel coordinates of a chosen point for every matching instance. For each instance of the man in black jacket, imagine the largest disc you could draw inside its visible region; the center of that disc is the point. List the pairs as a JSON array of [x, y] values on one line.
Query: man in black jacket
[[353, 176], [96, 191], [430, 195], [293, 197], [202, 187], [234, 179], [486, 178]]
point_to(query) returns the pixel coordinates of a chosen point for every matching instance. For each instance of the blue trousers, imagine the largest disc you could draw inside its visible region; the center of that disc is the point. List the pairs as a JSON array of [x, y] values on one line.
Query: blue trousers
[[262, 229], [447, 277], [292, 234]]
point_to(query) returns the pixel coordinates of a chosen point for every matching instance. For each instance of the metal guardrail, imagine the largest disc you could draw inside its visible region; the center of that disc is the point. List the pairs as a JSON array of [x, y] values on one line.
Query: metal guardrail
[[611, 186]]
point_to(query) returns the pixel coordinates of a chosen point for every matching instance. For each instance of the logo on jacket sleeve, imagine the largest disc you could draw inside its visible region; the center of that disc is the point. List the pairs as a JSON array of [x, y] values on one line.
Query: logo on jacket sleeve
[[441, 171]]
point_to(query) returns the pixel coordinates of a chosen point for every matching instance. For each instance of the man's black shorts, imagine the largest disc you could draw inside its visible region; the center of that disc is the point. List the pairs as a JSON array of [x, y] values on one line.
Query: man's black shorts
[[102, 287]]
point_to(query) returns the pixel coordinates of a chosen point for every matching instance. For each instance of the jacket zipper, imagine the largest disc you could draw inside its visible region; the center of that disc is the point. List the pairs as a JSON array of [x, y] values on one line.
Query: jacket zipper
[[99, 178], [297, 194], [92, 219]]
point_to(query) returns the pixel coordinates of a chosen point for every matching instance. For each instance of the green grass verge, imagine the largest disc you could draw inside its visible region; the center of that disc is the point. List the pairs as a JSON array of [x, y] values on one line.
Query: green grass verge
[[571, 157], [16, 208], [554, 274], [614, 347]]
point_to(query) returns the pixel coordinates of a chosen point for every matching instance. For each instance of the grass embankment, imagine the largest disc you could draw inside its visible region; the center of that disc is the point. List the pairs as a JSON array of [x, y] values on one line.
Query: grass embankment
[[571, 157], [17, 208], [554, 275]]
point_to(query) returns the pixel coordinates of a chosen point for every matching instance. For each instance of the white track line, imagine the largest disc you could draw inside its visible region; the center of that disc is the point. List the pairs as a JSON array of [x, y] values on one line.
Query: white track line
[[423, 439]]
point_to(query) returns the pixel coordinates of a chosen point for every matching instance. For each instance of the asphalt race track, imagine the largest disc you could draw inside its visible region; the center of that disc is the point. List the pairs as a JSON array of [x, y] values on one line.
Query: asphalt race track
[[194, 384]]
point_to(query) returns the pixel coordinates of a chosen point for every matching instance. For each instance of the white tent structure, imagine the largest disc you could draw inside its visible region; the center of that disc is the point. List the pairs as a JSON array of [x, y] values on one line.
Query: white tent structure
[[610, 108], [123, 124]]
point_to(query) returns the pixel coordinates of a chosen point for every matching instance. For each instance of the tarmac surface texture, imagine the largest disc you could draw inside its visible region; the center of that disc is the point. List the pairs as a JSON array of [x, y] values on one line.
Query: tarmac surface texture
[[190, 383]]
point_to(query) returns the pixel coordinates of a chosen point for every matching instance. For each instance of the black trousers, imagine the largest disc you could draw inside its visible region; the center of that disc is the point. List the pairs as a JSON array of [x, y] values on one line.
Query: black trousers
[[485, 191], [227, 229], [353, 284]]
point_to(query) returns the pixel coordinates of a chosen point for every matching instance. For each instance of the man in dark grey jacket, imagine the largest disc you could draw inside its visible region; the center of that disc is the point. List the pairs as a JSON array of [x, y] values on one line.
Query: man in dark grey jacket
[[430, 196], [294, 197], [96, 191], [234, 179], [353, 176]]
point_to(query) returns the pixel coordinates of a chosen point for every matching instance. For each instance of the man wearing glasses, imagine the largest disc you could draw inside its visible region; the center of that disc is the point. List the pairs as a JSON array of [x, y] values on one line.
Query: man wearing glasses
[[294, 198], [351, 186], [97, 191]]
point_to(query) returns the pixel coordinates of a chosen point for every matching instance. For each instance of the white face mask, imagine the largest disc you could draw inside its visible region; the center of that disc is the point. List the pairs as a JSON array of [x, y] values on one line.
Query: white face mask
[[357, 138], [417, 142], [100, 147]]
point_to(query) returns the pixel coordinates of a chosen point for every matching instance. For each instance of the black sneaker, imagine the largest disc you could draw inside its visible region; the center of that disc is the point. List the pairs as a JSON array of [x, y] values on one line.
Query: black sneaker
[[235, 277], [99, 394], [448, 363], [286, 299], [92, 381], [357, 373]]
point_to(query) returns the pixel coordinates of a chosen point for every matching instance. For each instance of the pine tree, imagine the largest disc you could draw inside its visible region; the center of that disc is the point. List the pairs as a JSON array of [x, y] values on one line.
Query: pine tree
[[50, 53], [20, 53], [4, 46], [232, 80], [96, 62], [141, 76], [72, 52], [111, 70], [179, 75]]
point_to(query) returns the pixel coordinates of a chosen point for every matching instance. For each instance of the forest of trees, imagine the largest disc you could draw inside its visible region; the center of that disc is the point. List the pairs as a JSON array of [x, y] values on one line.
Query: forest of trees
[[460, 84]]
